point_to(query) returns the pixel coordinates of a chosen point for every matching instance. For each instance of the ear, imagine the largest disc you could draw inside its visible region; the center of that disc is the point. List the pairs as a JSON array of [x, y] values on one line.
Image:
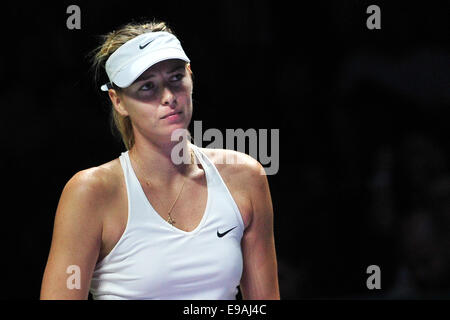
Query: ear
[[117, 102]]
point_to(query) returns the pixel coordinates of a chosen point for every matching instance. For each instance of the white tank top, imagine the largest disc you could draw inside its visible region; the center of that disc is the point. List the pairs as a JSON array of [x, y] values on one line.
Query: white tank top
[[155, 260]]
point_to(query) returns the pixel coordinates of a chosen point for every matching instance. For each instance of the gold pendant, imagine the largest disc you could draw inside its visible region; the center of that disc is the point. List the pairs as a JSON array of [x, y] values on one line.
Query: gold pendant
[[170, 220]]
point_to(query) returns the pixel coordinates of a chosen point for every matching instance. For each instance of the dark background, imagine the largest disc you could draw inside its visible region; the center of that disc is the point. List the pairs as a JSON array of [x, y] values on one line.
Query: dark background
[[364, 175]]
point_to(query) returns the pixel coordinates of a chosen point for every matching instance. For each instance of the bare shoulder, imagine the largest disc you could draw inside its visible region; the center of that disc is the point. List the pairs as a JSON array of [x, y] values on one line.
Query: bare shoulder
[[246, 179], [78, 229], [241, 172], [236, 164], [95, 186]]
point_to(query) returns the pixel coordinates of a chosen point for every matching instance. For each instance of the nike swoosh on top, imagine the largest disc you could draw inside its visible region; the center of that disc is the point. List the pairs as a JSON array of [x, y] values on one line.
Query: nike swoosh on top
[[220, 235], [143, 46]]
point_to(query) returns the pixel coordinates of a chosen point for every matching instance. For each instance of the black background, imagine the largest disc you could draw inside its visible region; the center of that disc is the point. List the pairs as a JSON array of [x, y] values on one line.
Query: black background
[[363, 178]]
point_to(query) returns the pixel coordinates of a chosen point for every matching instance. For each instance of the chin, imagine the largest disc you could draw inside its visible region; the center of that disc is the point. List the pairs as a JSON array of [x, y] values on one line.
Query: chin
[[175, 131]]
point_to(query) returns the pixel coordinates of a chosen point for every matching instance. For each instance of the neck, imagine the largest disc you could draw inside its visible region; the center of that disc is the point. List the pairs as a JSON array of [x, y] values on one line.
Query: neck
[[154, 161]]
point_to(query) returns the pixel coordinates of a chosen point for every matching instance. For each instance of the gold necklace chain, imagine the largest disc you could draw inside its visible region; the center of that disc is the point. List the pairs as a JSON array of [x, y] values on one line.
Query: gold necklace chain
[[170, 220]]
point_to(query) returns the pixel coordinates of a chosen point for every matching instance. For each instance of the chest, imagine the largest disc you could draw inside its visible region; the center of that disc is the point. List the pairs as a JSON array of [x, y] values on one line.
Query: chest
[[187, 211]]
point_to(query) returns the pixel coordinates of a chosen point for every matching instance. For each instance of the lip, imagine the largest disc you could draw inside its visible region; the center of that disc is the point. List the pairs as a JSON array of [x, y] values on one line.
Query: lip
[[171, 114]]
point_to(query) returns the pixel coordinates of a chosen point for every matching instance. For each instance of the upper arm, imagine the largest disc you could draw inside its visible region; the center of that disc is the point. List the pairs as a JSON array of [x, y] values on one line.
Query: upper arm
[[76, 239], [260, 276]]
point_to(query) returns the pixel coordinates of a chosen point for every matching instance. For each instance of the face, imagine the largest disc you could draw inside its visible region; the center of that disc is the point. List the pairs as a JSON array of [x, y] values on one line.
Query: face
[[163, 89]]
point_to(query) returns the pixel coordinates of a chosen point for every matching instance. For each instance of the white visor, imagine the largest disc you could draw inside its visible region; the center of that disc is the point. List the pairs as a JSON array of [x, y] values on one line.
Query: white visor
[[135, 56]]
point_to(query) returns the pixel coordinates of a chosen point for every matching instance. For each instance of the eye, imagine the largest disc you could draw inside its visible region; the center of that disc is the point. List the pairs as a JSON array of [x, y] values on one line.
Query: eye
[[147, 86], [177, 77]]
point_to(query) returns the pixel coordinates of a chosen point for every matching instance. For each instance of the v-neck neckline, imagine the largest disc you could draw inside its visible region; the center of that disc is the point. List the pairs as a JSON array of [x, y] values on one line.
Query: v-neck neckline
[[153, 210]]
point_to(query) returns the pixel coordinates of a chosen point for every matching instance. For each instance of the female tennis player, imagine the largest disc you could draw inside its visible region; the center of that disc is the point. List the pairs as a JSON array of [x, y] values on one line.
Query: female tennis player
[[144, 226]]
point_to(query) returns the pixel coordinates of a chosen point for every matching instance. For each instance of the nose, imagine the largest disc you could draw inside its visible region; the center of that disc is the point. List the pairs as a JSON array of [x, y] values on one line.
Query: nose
[[168, 98]]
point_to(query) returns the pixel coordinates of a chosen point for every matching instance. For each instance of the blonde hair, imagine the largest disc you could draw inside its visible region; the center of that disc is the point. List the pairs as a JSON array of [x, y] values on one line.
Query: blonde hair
[[110, 43]]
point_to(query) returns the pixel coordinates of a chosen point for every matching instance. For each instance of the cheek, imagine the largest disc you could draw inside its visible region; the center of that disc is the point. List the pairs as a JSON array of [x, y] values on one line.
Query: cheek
[[185, 94], [186, 85], [185, 99], [187, 106], [139, 111]]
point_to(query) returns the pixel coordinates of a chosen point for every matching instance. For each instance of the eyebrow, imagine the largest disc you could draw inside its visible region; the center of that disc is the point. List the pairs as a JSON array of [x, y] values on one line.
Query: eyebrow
[[148, 76]]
